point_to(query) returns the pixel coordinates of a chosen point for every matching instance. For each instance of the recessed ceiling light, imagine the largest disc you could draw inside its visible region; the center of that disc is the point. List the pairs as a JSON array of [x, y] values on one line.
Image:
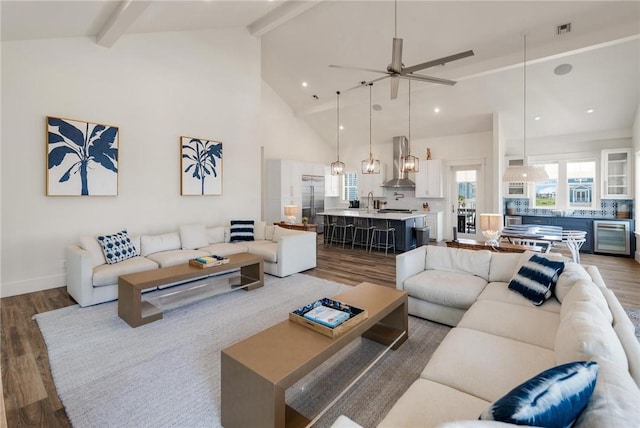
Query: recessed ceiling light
[[305, 84], [436, 110], [341, 127], [377, 107], [563, 69], [537, 118], [590, 110]]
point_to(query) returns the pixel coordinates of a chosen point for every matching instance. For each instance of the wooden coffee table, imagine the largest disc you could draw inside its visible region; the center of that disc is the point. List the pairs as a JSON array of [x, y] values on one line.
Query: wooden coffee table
[[137, 312], [256, 372]]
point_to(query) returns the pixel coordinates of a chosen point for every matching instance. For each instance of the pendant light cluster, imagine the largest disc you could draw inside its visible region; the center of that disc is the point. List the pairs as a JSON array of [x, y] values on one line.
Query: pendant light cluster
[[525, 172], [370, 165], [337, 167], [409, 163]]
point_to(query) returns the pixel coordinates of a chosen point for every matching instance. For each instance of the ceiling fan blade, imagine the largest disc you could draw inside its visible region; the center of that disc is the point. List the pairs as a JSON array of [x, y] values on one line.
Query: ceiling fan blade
[[396, 56], [395, 83], [365, 83], [439, 61], [428, 79], [358, 68]]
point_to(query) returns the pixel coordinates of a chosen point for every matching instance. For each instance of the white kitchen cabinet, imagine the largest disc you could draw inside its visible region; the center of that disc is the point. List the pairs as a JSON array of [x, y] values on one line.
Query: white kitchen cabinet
[[435, 222], [371, 183], [284, 187], [429, 182], [616, 174], [331, 184]]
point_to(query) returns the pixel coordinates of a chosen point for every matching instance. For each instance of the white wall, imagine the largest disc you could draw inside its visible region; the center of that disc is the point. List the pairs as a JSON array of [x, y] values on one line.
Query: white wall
[[635, 136], [155, 87]]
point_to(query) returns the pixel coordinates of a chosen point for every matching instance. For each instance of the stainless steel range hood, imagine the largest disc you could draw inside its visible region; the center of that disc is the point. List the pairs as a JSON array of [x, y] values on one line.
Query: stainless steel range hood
[[400, 179]]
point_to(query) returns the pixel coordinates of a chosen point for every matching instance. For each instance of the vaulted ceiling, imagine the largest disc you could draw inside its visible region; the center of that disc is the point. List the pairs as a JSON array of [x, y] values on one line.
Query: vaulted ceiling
[[301, 39]]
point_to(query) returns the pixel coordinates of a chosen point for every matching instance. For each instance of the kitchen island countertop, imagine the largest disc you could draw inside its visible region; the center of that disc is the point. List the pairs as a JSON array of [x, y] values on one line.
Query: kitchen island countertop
[[374, 214]]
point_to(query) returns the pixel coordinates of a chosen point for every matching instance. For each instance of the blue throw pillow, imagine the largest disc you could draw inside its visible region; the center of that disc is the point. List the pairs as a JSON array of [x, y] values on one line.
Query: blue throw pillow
[[554, 398], [117, 247], [241, 230], [536, 279]]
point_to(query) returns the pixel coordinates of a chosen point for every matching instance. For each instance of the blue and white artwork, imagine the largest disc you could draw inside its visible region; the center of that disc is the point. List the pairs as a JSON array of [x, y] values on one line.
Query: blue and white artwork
[[201, 166], [82, 158]]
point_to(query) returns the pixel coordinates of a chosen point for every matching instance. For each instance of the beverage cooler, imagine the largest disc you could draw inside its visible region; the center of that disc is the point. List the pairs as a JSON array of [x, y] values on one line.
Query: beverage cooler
[[612, 237]]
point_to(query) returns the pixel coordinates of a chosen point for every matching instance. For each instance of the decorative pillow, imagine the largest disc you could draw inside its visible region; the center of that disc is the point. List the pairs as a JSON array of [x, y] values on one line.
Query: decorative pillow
[[150, 244], [241, 230], [117, 247], [536, 279], [258, 230], [91, 244], [216, 234], [193, 236], [553, 398]]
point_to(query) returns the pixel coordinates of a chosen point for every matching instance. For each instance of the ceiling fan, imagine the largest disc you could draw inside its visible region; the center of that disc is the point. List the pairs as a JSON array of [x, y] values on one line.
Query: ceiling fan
[[396, 70]]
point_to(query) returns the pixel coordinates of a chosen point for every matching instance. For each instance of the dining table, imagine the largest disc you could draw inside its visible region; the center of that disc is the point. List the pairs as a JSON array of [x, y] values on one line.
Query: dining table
[[532, 234]]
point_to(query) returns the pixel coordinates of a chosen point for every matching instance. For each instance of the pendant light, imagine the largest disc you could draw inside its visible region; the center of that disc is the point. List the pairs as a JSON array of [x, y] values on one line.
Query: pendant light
[[525, 172], [337, 167], [371, 165], [409, 163]]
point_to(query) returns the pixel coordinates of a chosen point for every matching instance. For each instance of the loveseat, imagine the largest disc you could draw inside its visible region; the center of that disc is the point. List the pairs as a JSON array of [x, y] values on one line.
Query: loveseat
[[91, 280], [502, 340]]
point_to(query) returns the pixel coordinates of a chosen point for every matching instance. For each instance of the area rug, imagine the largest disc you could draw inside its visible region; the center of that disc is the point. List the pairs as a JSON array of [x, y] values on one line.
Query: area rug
[[634, 316], [167, 373]]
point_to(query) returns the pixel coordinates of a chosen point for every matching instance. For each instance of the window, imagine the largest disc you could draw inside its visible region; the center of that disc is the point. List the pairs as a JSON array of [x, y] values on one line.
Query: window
[[580, 182], [350, 186], [547, 191]]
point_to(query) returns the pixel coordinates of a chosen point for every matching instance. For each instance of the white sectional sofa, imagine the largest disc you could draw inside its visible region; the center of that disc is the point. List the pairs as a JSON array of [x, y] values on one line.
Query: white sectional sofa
[[502, 340], [91, 280]]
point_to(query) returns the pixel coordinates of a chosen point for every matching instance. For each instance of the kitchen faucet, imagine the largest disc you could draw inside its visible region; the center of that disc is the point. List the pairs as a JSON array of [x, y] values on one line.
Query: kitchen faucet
[[369, 198], [398, 195]]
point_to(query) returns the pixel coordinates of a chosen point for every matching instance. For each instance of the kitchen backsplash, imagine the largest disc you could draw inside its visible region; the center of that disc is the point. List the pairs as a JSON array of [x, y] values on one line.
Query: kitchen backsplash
[[608, 208]]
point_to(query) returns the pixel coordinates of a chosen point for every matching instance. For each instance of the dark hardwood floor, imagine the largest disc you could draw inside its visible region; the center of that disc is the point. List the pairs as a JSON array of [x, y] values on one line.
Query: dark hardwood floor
[[29, 394]]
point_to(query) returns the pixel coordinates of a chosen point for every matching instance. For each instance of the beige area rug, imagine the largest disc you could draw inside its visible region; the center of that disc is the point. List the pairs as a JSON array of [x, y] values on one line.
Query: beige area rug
[[634, 316], [167, 373]]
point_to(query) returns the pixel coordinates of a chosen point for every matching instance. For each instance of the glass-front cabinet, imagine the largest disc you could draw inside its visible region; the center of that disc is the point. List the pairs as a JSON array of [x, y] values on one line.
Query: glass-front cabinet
[[616, 174]]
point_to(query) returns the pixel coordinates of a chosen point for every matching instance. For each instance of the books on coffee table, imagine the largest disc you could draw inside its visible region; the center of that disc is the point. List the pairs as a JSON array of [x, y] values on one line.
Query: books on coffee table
[[329, 317], [208, 261]]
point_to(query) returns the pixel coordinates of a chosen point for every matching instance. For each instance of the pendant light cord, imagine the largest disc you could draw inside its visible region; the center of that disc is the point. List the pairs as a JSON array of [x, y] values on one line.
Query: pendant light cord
[[524, 127], [409, 116], [395, 27], [370, 152], [338, 125]]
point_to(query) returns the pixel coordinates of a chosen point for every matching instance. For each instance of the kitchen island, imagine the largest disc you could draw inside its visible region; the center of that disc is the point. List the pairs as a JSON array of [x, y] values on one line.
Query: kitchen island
[[402, 220]]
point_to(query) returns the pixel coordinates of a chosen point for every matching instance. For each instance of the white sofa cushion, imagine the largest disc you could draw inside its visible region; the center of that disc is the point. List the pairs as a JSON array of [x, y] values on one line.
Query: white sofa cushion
[[459, 260], [452, 289], [279, 232], [107, 274], [427, 404], [498, 291], [585, 334], [268, 251], [572, 272], [485, 365], [176, 257], [193, 236], [216, 235], [224, 249], [150, 244], [554, 397], [503, 266], [259, 230], [524, 323], [90, 243], [269, 230], [585, 291]]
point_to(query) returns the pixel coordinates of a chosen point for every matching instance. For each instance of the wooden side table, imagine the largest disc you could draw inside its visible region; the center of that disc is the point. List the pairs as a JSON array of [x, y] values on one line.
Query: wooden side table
[[504, 247], [298, 226]]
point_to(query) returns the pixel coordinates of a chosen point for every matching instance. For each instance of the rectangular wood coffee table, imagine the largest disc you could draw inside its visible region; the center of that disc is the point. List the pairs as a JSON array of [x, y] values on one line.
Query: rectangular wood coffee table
[[256, 372], [137, 312]]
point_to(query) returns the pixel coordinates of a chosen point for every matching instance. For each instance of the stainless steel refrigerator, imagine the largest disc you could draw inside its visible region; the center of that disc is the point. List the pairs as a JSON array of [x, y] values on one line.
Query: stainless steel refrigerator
[[313, 199]]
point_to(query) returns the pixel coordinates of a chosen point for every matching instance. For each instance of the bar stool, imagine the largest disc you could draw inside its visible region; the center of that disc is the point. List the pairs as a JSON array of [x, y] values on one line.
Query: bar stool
[[361, 225], [574, 239], [341, 226], [329, 222], [381, 226]]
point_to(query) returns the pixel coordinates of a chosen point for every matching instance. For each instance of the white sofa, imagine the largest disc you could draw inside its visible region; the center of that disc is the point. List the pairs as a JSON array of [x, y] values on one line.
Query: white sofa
[[501, 339], [90, 280]]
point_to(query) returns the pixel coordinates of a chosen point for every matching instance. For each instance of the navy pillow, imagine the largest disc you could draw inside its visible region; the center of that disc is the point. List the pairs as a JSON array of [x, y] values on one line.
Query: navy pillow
[[117, 247], [554, 398], [536, 279], [241, 230]]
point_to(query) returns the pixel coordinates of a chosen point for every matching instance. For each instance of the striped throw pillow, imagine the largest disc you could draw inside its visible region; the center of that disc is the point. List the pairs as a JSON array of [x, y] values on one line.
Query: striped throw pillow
[[241, 230], [536, 279], [553, 398]]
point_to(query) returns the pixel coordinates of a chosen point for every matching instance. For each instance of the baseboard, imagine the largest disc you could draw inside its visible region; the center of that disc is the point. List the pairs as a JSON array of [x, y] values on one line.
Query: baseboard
[[15, 288]]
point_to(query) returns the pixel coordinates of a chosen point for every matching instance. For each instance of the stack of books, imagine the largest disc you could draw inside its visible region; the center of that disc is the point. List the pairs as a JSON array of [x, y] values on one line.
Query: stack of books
[[208, 261]]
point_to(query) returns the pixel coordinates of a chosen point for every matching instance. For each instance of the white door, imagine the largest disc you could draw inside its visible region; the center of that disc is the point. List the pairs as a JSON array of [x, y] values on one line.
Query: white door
[[466, 199]]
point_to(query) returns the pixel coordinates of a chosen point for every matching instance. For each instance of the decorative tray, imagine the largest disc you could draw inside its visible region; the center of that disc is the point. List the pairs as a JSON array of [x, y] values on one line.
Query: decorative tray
[[353, 315], [208, 261]]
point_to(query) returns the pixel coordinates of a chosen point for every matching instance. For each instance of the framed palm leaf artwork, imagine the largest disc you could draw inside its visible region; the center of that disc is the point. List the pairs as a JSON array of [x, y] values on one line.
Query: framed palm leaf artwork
[[82, 158], [201, 166]]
